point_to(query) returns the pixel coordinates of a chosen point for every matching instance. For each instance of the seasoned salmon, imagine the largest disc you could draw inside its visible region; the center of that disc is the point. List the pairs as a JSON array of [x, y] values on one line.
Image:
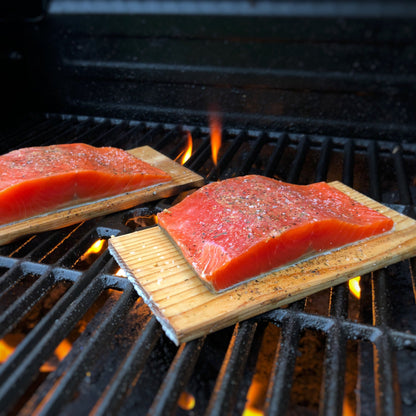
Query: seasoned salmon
[[35, 180], [240, 228]]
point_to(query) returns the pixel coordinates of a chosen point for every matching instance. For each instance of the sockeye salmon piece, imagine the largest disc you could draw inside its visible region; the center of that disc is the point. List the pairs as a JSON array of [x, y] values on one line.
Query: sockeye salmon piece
[[35, 180], [240, 228]]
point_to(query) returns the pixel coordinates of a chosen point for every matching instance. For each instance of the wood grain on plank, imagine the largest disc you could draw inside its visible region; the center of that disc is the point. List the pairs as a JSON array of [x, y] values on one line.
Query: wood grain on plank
[[182, 179], [188, 310]]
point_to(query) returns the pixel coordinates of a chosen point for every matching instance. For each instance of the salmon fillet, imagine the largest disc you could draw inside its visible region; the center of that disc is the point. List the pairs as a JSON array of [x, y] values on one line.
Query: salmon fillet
[[36, 180], [243, 227]]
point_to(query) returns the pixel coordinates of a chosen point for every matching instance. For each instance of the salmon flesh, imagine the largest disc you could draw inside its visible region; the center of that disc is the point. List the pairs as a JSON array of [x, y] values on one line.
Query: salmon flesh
[[36, 180], [240, 228]]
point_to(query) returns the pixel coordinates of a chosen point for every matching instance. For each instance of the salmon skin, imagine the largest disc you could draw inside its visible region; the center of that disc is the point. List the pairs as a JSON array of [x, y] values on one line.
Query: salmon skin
[[36, 180], [240, 228]]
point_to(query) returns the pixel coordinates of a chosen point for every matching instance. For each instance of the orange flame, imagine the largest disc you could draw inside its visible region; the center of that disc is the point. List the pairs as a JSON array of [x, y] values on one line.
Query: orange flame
[[347, 409], [215, 127], [187, 153], [5, 351], [186, 401], [96, 247], [354, 286], [257, 392], [8, 345], [255, 398], [92, 253], [63, 349], [11, 341], [252, 412]]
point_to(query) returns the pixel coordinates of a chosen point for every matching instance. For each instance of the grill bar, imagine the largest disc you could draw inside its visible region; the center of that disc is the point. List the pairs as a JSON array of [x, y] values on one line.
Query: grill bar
[[332, 389], [133, 366], [11, 277], [348, 170], [385, 383], [383, 352], [226, 389], [324, 158], [130, 135], [27, 371], [258, 144], [276, 155], [176, 379], [227, 156], [68, 131], [168, 137], [13, 314], [278, 393], [338, 303], [401, 175], [373, 170], [298, 162], [73, 377], [352, 330], [42, 328], [92, 134], [196, 161], [334, 370]]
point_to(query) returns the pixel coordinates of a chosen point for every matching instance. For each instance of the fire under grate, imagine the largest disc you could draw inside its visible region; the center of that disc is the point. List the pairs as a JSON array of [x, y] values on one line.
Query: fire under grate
[[75, 337]]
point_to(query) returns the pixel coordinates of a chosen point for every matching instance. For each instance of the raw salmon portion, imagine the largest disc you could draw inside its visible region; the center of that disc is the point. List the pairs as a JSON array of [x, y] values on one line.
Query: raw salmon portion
[[35, 180], [240, 228]]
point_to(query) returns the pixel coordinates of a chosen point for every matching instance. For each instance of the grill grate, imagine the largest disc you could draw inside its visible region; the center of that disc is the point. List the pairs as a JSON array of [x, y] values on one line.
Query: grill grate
[[119, 361]]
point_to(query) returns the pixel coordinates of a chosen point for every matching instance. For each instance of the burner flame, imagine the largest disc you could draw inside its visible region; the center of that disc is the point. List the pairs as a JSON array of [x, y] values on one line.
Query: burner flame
[[96, 247], [186, 401], [187, 153], [255, 399], [354, 286], [215, 128], [91, 254], [8, 345], [10, 342], [63, 349], [257, 392]]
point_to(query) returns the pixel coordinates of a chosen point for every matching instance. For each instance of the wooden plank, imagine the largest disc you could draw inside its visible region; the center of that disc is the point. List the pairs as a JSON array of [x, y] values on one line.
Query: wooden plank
[[187, 309], [182, 179]]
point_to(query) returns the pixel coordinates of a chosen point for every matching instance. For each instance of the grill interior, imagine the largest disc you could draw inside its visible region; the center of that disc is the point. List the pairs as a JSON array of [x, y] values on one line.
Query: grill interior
[[308, 91], [84, 342]]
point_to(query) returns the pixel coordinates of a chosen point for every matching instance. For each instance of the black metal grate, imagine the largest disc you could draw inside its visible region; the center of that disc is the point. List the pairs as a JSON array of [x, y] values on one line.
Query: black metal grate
[[325, 354]]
